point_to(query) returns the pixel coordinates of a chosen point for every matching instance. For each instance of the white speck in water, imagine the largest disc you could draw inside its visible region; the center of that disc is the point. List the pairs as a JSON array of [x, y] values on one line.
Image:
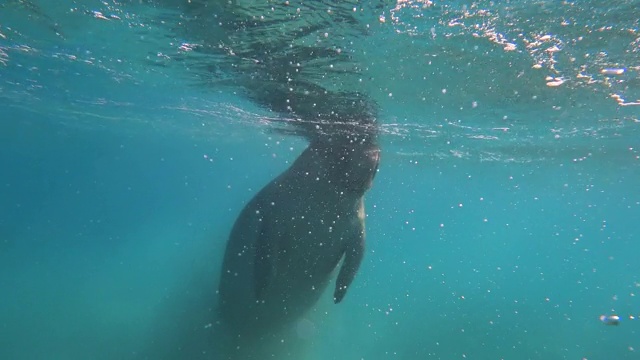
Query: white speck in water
[[612, 71], [555, 83]]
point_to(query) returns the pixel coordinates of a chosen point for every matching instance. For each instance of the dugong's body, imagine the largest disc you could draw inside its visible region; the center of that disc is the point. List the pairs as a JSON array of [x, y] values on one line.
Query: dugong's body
[[290, 237]]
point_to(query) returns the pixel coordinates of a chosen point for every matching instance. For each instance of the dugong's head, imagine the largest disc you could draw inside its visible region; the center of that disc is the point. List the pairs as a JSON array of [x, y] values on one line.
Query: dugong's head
[[351, 167]]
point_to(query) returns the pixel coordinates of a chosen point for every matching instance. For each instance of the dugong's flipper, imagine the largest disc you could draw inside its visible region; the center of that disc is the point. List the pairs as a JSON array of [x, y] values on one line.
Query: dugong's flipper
[[352, 258]]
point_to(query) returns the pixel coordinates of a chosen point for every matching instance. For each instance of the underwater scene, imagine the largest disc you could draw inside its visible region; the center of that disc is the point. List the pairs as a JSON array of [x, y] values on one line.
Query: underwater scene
[[314, 180]]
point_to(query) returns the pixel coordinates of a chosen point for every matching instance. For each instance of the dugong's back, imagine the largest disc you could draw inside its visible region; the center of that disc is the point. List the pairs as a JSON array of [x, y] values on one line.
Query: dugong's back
[[237, 302], [240, 309]]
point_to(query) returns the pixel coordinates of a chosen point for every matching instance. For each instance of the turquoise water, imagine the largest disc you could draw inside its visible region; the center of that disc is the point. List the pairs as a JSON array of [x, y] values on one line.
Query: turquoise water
[[501, 225]]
